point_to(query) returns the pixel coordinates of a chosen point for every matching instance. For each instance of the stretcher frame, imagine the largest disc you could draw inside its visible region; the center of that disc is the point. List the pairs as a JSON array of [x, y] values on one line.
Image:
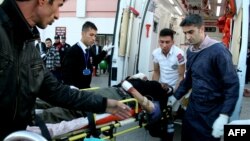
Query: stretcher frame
[[83, 133]]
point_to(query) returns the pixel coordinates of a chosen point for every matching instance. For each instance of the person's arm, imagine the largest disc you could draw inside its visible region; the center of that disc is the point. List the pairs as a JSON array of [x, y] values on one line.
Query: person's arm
[[118, 108], [142, 100], [156, 72], [230, 88], [98, 58], [228, 78], [60, 95], [184, 86], [181, 71]]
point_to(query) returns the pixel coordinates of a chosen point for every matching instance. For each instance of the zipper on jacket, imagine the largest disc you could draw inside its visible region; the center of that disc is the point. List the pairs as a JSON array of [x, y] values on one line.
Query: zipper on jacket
[[18, 84], [18, 89], [14, 116]]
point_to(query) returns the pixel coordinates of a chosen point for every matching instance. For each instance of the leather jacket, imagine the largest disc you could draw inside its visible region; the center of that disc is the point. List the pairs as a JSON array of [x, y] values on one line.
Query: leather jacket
[[23, 76]]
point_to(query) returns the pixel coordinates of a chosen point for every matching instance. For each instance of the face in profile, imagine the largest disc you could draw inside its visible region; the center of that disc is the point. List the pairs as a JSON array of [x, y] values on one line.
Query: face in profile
[[47, 12]]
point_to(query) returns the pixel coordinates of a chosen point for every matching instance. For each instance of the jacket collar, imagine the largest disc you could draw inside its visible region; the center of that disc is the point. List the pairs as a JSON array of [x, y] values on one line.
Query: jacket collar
[[21, 30]]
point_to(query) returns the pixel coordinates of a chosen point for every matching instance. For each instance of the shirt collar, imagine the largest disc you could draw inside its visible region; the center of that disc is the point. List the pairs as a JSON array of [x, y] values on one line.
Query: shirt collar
[[170, 51], [82, 45], [207, 42]]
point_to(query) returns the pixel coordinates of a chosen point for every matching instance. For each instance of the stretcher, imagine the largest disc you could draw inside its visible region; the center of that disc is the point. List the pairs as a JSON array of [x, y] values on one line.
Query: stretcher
[[105, 127], [79, 128]]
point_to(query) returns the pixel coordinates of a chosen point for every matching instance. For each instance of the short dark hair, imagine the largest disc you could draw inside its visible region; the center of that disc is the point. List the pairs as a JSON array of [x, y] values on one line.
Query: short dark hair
[[88, 25], [56, 37], [48, 39], [167, 32], [192, 19]]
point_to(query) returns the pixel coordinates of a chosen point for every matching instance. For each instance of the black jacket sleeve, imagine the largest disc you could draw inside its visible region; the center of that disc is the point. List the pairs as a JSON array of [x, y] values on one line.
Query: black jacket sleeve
[[98, 58], [62, 95]]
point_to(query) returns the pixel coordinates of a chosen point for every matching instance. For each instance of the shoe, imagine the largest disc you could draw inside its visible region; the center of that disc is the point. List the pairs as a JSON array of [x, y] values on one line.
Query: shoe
[[246, 93]]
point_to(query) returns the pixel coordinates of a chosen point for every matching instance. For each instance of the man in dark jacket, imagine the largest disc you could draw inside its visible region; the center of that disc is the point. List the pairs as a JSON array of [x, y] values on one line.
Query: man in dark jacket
[[65, 47], [23, 76], [95, 50], [57, 42], [77, 66], [214, 82], [42, 48]]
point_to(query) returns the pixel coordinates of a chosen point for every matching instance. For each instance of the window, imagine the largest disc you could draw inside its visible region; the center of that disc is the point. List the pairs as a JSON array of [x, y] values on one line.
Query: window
[[210, 29], [103, 38]]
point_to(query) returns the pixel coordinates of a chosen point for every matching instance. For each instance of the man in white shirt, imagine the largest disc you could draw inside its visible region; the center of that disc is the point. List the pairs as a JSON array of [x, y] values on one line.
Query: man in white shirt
[[169, 60], [108, 57]]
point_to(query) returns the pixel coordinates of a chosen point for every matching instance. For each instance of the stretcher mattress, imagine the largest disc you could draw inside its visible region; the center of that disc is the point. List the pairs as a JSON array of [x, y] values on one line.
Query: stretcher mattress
[[80, 123]]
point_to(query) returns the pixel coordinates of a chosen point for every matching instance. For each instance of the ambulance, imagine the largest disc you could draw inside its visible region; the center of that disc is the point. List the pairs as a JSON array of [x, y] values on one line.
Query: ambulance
[[138, 23]]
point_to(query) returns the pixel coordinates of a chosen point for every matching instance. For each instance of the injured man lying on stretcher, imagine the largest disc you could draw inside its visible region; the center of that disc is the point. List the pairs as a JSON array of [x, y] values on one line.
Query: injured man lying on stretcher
[[151, 95]]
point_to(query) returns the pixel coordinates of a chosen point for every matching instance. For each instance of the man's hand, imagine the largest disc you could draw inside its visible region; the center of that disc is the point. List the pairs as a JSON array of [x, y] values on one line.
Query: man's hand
[[107, 48], [218, 126], [171, 100], [118, 109]]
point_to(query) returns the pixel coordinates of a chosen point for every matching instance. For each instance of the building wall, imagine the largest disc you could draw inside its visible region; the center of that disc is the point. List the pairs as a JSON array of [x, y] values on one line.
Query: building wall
[[74, 13], [101, 8], [74, 26], [69, 8]]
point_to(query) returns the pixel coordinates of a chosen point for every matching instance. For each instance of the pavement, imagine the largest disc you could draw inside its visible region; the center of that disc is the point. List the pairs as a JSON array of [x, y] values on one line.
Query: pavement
[[141, 135], [245, 111]]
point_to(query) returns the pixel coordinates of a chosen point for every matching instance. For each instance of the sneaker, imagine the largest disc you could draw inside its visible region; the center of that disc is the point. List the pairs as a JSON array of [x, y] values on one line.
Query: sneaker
[[246, 93]]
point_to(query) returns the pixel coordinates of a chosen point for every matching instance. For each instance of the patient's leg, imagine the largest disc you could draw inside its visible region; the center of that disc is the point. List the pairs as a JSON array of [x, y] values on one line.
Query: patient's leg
[[53, 114], [40, 104], [58, 114]]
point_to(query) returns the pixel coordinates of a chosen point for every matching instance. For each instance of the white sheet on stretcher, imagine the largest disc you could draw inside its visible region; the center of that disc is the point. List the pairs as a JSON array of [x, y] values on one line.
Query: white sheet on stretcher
[[66, 126]]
